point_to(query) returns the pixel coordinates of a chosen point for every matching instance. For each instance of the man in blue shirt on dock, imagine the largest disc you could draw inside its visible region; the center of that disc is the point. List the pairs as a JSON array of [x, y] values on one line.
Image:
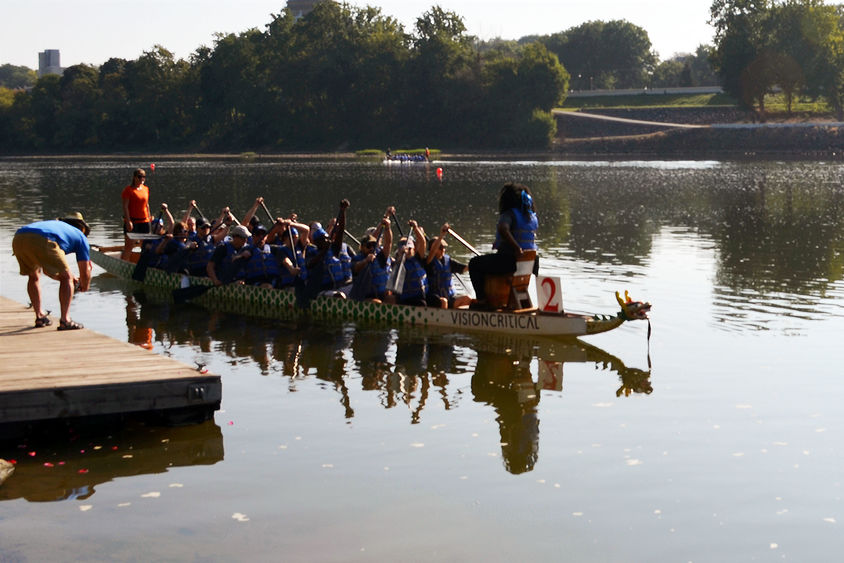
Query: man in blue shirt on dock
[[43, 246]]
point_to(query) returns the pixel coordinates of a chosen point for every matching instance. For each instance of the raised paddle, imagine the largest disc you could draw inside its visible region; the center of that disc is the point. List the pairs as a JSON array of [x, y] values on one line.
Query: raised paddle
[[351, 236], [398, 225], [201, 215], [462, 241], [269, 215]]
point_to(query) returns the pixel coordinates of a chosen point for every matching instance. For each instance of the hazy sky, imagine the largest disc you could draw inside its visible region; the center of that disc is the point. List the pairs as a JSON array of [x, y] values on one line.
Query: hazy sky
[[92, 31]]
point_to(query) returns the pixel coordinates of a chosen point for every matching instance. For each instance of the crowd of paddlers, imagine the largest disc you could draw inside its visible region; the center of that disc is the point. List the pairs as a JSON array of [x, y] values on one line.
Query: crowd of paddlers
[[288, 253]]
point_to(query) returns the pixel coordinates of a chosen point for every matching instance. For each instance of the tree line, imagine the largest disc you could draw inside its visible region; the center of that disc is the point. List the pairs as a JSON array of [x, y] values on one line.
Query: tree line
[[344, 77], [796, 46], [340, 78]]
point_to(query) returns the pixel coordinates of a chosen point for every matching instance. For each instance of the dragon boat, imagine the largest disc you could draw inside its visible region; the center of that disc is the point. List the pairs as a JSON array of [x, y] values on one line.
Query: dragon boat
[[282, 304]]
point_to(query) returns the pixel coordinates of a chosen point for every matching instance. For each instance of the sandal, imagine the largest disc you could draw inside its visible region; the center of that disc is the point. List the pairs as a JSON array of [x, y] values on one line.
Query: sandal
[[69, 325], [42, 322]]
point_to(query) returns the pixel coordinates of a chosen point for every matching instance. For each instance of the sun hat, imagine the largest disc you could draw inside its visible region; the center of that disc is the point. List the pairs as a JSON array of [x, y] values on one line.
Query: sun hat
[[75, 218], [240, 231]]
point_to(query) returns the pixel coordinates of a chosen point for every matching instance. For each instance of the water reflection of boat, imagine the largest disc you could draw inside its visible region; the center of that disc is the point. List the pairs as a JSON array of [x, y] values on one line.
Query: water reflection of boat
[[281, 304], [73, 469], [299, 349], [405, 368]]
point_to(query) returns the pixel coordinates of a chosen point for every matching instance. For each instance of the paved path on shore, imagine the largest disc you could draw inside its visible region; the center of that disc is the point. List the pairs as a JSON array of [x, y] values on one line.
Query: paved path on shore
[[802, 124]]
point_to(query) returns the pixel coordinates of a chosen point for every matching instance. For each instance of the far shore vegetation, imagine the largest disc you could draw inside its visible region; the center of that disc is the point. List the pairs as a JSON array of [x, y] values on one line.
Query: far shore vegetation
[[345, 77]]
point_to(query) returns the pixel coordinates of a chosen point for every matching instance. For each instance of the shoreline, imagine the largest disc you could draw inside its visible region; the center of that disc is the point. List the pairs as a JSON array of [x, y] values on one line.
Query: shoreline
[[807, 141]]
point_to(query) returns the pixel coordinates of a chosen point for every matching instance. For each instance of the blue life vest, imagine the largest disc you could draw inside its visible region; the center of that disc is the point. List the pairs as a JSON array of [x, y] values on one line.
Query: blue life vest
[[287, 279], [228, 270], [262, 266], [440, 281], [333, 274], [173, 247], [523, 229], [198, 257], [415, 279], [376, 283]]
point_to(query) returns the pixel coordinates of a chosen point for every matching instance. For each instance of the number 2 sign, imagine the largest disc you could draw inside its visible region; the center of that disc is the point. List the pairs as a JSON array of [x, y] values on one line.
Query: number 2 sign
[[549, 290]]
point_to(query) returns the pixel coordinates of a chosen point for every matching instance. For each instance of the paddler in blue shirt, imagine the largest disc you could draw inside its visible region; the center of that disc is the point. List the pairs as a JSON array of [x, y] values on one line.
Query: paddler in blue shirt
[[371, 266], [328, 262], [415, 287], [440, 268]]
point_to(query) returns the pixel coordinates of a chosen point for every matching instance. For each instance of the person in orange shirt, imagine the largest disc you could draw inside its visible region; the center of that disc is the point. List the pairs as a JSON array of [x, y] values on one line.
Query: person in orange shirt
[[136, 215]]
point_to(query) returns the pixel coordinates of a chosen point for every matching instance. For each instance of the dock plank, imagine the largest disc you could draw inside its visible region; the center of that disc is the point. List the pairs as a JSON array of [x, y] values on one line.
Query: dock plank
[[52, 374]]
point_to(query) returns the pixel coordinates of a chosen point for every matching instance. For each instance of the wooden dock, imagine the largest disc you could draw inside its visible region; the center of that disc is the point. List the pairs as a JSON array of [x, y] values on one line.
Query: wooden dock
[[49, 374]]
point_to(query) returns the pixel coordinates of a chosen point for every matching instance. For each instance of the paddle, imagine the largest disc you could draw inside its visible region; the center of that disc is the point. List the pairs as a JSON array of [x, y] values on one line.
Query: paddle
[[348, 234], [463, 242], [201, 215], [269, 215], [396, 281], [398, 225]]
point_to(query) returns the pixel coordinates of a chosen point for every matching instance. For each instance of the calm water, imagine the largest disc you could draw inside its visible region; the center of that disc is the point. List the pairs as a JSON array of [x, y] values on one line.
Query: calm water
[[720, 440]]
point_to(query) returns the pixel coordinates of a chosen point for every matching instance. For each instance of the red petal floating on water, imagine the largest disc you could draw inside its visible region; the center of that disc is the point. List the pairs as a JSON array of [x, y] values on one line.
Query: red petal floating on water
[[61, 463], [48, 464], [31, 454], [114, 448], [82, 471], [13, 461]]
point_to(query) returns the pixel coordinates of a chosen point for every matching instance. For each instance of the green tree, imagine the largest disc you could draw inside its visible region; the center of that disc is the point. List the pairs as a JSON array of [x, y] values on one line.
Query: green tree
[[739, 40], [232, 92], [43, 109], [598, 54], [78, 120], [14, 77], [444, 78], [667, 73]]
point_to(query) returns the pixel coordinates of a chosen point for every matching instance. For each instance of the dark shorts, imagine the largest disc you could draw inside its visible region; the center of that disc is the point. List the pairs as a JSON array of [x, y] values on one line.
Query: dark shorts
[[140, 228]]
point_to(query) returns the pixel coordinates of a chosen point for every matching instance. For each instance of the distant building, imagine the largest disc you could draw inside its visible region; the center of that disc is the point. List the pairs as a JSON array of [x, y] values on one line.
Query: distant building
[[301, 8], [49, 62]]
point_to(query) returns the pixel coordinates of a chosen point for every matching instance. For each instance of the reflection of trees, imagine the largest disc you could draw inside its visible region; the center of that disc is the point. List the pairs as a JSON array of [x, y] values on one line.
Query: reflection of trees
[[779, 238], [612, 225]]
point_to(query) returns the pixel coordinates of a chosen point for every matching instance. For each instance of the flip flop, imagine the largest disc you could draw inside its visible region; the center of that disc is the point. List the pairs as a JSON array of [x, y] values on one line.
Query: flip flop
[[69, 325], [42, 322]]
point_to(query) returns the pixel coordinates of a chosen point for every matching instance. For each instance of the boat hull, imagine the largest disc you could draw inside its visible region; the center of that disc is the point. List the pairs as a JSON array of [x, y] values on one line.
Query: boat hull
[[281, 304]]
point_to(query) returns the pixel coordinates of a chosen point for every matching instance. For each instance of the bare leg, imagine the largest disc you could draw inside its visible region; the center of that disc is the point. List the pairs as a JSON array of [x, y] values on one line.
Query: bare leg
[[65, 294], [33, 288], [128, 244]]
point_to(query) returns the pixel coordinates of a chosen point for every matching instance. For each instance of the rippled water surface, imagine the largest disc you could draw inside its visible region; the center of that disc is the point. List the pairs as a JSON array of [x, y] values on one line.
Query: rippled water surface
[[720, 439]]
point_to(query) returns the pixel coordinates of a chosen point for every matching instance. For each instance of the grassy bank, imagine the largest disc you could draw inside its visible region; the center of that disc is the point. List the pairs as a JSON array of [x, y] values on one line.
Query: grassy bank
[[774, 103]]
